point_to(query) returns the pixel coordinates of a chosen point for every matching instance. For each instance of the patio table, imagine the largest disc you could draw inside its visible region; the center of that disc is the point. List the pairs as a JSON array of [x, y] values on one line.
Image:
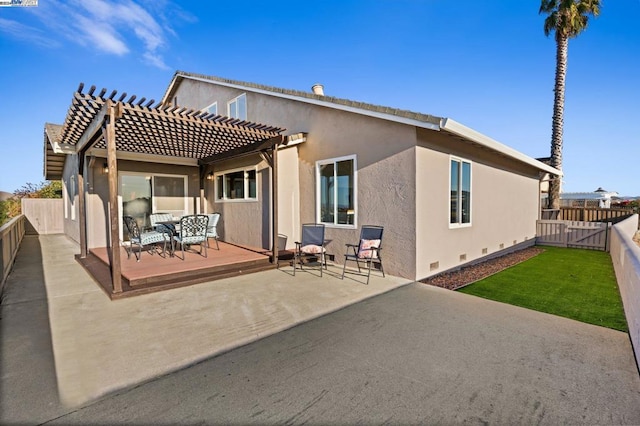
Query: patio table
[[172, 227]]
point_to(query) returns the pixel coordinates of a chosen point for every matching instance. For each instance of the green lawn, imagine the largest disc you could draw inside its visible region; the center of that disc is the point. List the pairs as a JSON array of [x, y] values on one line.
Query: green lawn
[[572, 283]]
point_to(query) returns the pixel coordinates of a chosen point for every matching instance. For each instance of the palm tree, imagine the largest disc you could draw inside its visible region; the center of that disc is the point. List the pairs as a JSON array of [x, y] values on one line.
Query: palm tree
[[567, 18]]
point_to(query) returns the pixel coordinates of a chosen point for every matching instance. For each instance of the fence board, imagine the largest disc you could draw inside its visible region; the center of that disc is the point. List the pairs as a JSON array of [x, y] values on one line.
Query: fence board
[[568, 233]]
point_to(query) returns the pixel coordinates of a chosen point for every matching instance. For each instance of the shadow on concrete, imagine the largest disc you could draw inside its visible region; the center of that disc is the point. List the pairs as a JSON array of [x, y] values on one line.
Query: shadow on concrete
[[28, 385]]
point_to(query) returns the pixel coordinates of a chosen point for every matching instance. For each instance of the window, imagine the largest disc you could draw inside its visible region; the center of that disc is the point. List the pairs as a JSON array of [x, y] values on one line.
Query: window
[[336, 191], [212, 109], [238, 107], [460, 201], [237, 185]]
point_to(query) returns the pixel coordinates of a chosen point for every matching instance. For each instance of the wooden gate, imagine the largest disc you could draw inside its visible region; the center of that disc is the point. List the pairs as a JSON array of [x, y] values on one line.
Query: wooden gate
[[569, 233]]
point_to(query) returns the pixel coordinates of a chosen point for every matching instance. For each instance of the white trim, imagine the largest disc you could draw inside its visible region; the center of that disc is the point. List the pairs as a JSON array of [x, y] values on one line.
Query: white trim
[[246, 197], [460, 224], [456, 128], [335, 160], [206, 109], [235, 100]]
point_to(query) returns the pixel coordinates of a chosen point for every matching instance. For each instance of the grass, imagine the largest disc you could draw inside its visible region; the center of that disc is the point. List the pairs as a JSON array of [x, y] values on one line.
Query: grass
[[572, 283]]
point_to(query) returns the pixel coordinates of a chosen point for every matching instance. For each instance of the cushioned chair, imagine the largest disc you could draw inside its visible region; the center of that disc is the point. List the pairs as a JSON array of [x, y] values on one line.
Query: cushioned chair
[[193, 230], [143, 239], [212, 230], [367, 250], [312, 245]]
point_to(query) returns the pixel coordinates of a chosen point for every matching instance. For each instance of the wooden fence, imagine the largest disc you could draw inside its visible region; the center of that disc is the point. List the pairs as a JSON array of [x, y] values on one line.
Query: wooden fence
[[11, 234], [594, 214], [577, 234]]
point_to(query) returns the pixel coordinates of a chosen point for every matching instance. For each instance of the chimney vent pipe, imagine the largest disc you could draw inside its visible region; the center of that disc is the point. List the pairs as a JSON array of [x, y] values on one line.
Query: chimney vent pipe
[[318, 89]]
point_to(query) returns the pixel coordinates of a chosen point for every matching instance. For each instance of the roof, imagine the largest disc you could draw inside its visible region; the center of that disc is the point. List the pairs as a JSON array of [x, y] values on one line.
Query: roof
[[53, 155], [417, 119], [156, 130]]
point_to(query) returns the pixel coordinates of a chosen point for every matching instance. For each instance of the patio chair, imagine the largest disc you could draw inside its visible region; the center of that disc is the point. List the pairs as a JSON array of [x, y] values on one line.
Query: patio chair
[[193, 230], [212, 230], [367, 250], [143, 239], [312, 245], [156, 218]]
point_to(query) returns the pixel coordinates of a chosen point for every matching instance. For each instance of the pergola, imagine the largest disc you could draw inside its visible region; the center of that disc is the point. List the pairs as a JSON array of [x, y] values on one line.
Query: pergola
[[116, 125]]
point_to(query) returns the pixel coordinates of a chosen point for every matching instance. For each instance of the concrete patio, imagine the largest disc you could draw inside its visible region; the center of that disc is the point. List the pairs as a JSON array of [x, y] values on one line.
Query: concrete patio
[[101, 345]]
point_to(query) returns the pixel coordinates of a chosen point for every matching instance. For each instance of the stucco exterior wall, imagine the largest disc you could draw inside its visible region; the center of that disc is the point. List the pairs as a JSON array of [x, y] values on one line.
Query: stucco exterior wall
[[385, 169], [243, 221], [504, 206], [70, 198]]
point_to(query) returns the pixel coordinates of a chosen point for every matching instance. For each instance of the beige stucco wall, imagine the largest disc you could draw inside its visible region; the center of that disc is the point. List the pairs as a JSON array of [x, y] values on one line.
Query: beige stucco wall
[[385, 170], [402, 183], [504, 206], [70, 212]]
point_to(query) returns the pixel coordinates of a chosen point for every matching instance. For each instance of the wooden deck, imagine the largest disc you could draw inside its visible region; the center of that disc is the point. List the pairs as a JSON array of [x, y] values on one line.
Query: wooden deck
[[156, 273]]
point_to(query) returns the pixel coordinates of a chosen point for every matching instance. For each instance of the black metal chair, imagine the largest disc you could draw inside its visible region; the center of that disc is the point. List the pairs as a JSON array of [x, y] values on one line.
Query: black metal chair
[[143, 239], [367, 250], [193, 230], [312, 245]]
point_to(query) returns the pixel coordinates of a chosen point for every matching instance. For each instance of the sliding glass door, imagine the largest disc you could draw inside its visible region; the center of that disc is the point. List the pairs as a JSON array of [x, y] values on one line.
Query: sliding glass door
[[143, 193]]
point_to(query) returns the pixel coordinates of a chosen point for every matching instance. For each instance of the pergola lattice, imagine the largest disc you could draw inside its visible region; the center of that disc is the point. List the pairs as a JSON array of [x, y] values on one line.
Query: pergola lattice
[[116, 125]]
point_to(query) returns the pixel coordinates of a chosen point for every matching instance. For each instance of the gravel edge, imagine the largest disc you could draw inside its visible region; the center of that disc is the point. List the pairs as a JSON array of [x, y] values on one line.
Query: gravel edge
[[467, 275]]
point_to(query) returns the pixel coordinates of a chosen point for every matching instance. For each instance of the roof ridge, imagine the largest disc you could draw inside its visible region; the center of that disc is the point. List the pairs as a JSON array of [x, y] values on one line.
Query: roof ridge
[[309, 95]]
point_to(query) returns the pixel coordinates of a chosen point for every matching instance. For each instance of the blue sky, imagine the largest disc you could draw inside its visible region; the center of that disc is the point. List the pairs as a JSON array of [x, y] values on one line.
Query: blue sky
[[486, 64]]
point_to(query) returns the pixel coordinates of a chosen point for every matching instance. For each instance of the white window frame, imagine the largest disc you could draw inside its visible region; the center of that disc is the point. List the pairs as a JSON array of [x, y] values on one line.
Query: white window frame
[[208, 109], [334, 161], [246, 199], [459, 223], [235, 101]]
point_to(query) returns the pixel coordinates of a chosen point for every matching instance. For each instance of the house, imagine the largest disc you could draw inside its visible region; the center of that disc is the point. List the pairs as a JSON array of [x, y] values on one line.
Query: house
[[445, 194], [599, 198]]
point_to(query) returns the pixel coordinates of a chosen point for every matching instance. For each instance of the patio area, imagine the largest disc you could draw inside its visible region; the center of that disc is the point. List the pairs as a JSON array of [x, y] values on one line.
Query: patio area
[[100, 345], [157, 271]]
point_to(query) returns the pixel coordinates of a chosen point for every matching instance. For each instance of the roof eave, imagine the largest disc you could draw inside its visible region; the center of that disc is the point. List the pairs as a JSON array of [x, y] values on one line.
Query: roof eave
[[452, 126]]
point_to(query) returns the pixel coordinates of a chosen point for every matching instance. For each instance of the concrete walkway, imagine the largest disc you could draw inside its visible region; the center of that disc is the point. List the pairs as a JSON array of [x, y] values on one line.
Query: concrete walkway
[[417, 354], [101, 345]]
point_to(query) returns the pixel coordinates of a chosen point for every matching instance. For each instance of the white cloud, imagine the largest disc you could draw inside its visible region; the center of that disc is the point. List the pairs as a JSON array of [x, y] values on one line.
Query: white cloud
[[116, 27], [25, 32]]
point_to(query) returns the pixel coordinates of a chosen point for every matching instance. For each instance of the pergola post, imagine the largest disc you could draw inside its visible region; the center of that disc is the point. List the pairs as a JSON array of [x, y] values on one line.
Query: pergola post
[[82, 212], [274, 207], [112, 176]]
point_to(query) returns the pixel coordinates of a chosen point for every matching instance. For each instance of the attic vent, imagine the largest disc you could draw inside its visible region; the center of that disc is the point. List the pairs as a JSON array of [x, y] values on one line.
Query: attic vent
[[318, 89]]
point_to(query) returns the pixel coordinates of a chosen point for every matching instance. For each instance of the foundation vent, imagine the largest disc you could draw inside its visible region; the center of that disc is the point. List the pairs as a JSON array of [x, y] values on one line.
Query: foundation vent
[[485, 251], [433, 266], [463, 257], [501, 245], [515, 242]]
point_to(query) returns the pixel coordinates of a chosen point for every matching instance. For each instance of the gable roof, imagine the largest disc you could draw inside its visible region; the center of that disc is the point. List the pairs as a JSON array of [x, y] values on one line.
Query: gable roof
[[417, 119]]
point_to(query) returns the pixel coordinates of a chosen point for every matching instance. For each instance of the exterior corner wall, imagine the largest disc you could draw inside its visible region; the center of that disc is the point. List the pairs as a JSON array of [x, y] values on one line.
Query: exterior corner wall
[[625, 256], [70, 210], [289, 224]]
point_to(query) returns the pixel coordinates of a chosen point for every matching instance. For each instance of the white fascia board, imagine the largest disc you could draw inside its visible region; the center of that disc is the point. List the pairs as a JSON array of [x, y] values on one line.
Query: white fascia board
[[461, 130], [355, 110], [146, 158]]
